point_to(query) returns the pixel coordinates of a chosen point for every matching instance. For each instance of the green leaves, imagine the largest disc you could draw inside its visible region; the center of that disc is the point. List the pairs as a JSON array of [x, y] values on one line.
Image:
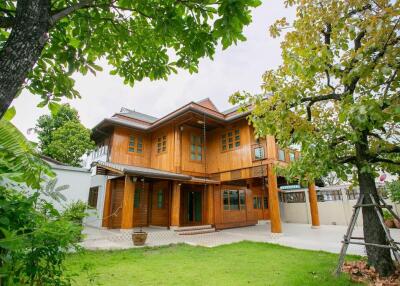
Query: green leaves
[[10, 113]]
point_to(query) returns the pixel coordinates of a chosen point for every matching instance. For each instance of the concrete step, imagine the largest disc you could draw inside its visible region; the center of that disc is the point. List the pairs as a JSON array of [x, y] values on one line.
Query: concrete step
[[198, 231], [195, 227]]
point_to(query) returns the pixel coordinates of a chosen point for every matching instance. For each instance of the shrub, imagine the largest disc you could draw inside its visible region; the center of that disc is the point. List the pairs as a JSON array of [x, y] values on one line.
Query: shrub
[[76, 212], [394, 191]]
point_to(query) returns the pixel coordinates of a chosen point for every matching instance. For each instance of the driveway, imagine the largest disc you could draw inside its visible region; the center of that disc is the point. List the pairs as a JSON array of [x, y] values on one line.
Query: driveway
[[326, 238]]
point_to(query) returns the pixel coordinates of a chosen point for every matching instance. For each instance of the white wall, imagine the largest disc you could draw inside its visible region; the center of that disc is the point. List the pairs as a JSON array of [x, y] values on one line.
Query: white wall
[[95, 216]]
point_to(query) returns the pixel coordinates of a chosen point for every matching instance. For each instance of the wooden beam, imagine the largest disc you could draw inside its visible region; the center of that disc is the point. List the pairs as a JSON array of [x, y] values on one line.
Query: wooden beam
[[176, 204], [107, 205], [313, 205], [127, 203], [273, 201]]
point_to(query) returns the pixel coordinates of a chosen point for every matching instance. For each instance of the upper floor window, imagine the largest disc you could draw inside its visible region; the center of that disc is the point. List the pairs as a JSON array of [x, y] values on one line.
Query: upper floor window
[[258, 152], [292, 156], [281, 155], [196, 148], [234, 199], [230, 140], [162, 144], [135, 144]]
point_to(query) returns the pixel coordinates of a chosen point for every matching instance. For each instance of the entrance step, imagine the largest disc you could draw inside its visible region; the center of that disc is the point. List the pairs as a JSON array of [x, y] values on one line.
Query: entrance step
[[191, 230]]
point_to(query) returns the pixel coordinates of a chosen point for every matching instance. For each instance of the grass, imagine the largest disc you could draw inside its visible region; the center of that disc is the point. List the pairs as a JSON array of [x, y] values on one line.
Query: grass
[[244, 263]]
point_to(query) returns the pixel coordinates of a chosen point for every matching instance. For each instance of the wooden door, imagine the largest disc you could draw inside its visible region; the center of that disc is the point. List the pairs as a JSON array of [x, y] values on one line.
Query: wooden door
[[117, 196], [141, 205], [193, 207]]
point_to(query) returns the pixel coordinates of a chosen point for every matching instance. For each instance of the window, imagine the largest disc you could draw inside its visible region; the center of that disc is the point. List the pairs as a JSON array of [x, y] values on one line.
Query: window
[[162, 144], [136, 201], [135, 144], [293, 197], [160, 199], [281, 155], [257, 203], [292, 156], [329, 195], [258, 152], [234, 199], [196, 148], [93, 194], [230, 140], [265, 202]]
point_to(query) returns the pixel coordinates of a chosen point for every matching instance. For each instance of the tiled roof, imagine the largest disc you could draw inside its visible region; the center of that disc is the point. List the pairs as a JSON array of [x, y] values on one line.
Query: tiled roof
[[137, 115]]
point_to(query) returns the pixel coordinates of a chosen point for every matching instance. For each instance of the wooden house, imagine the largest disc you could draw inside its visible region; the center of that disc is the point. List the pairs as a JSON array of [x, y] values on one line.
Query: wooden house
[[194, 166]]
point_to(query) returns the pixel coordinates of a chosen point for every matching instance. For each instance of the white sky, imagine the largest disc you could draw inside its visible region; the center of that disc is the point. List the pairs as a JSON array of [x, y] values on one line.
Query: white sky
[[235, 69]]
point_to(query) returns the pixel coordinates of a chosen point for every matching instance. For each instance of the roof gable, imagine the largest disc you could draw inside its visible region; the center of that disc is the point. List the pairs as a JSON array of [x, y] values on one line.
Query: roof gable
[[207, 103]]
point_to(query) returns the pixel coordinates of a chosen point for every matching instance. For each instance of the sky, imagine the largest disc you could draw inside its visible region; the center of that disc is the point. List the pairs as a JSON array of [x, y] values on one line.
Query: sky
[[239, 68]]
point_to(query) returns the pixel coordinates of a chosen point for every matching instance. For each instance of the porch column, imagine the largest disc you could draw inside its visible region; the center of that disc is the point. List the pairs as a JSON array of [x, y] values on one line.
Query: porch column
[[209, 205], [273, 201], [127, 203], [106, 206], [175, 204], [313, 205]]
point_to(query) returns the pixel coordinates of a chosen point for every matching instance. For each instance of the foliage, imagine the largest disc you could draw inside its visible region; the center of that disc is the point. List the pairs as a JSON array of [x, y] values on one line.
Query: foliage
[[137, 38], [336, 89], [394, 190], [18, 158], [63, 137], [336, 96], [232, 264], [387, 215], [47, 124], [34, 237], [34, 240], [76, 211]]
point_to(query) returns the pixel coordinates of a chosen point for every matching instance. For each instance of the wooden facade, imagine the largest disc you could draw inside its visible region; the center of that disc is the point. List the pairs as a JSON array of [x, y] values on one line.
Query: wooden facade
[[229, 174]]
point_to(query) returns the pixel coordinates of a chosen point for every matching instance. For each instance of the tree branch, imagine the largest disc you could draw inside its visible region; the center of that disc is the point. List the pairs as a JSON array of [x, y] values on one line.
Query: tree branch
[[383, 160], [65, 12]]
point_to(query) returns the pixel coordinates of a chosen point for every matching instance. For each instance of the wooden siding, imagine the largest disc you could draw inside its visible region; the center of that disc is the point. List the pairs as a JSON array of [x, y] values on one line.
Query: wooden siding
[[159, 216]]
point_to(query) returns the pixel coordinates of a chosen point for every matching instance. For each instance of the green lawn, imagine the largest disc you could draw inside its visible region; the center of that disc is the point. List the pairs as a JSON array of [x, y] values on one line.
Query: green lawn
[[245, 263]]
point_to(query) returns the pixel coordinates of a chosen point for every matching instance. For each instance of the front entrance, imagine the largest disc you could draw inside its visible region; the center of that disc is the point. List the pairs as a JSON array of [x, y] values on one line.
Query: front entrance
[[192, 205]]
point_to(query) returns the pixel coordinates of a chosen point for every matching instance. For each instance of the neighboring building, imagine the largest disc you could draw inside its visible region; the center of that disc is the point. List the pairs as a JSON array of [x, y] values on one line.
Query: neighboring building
[[194, 166], [77, 179]]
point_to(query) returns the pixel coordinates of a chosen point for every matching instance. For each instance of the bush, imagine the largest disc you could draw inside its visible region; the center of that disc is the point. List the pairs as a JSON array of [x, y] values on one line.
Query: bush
[[387, 215], [76, 212], [394, 191]]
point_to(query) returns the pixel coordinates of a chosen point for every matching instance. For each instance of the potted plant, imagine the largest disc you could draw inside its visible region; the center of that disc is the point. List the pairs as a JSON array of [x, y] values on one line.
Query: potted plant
[[139, 237], [388, 217]]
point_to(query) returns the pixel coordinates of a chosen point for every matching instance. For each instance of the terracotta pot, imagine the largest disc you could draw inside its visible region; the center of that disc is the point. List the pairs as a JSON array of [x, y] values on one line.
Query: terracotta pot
[[389, 223], [139, 238], [396, 223]]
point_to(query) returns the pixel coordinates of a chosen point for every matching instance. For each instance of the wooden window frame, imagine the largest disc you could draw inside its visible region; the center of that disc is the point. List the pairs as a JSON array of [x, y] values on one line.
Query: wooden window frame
[[291, 152], [135, 139], [224, 136], [93, 197], [196, 145], [257, 202], [161, 144], [163, 199], [241, 194], [253, 153], [284, 155]]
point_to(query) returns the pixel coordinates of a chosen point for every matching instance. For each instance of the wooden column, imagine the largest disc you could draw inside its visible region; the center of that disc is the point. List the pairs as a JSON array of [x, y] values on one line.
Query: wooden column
[[175, 204], [313, 204], [177, 149], [273, 201], [107, 206], [210, 205], [127, 203]]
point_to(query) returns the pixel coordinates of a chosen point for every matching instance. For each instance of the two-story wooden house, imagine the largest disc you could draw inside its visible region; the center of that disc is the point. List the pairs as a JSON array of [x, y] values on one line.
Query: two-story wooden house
[[194, 166]]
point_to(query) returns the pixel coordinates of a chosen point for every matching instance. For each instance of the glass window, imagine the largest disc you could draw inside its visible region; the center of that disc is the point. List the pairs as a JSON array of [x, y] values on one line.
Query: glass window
[[135, 144], [291, 156], [234, 199], [259, 153], [196, 147], [265, 202], [281, 155], [137, 198], [230, 139], [93, 195], [162, 144], [160, 199]]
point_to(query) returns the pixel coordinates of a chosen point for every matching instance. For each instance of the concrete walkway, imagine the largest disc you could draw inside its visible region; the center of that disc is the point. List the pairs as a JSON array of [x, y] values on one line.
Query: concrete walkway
[[327, 237]]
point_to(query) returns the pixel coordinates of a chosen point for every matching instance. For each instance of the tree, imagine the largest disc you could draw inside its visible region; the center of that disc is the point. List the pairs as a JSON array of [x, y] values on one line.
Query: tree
[[336, 95], [69, 143], [62, 136], [43, 42]]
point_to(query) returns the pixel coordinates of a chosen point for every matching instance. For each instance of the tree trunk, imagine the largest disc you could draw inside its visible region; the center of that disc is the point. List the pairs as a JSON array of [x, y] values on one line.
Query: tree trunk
[[378, 257], [23, 48]]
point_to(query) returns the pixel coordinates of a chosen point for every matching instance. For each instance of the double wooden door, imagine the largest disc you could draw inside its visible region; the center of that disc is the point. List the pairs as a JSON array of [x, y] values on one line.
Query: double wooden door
[[117, 196], [192, 206]]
